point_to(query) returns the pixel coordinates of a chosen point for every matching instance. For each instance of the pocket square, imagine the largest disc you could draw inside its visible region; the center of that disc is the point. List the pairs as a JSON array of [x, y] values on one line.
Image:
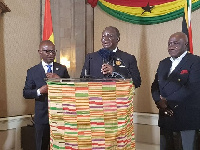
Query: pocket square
[[184, 72]]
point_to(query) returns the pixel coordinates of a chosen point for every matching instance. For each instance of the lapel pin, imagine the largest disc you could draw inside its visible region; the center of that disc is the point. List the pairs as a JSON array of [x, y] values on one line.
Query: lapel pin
[[118, 62], [57, 68]]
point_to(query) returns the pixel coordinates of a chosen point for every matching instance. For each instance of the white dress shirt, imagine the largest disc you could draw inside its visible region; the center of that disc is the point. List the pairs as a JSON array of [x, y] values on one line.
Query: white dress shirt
[[176, 61], [45, 70], [114, 50], [45, 66]]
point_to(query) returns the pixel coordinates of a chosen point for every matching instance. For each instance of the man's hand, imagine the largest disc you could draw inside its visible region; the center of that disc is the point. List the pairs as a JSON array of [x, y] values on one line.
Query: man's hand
[[44, 89], [52, 75], [162, 103], [106, 69], [162, 106]]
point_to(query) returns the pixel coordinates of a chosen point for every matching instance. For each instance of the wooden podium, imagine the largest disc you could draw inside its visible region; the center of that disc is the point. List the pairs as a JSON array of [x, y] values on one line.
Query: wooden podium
[[86, 114]]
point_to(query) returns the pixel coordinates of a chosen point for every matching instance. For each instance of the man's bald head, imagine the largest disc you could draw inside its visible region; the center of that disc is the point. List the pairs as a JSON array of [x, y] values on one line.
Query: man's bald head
[[180, 35], [177, 44], [45, 43]]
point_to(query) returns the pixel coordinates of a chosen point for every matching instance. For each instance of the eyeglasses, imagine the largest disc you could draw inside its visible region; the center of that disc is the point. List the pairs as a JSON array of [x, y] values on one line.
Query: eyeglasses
[[50, 51]]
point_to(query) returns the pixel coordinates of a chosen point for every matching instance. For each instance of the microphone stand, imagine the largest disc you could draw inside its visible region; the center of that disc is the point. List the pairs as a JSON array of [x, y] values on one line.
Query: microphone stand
[[87, 72]]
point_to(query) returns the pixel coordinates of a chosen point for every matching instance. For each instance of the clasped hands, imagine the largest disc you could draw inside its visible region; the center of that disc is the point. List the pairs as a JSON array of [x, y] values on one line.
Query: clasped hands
[[44, 88], [162, 106], [106, 69], [52, 75]]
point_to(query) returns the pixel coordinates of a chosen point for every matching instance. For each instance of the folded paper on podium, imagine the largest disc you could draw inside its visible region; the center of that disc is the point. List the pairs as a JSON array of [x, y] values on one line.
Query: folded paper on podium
[[86, 114]]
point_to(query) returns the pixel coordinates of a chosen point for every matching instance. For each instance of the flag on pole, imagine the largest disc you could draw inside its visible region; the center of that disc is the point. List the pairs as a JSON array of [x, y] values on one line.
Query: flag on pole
[[93, 3], [48, 27], [186, 25]]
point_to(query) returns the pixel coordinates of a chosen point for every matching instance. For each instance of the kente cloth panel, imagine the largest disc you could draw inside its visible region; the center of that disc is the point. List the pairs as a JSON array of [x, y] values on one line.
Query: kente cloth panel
[[91, 115]]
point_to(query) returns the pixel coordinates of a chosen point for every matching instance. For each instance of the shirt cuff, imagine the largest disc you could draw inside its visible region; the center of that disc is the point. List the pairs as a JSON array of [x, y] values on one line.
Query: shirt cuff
[[38, 92]]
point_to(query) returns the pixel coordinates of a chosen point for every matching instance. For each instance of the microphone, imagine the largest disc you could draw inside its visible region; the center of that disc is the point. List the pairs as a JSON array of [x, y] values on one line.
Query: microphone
[[105, 54]]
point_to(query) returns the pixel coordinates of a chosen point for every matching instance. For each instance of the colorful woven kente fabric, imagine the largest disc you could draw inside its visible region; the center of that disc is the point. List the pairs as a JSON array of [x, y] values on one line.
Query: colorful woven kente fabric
[[91, 115], [145, 12]]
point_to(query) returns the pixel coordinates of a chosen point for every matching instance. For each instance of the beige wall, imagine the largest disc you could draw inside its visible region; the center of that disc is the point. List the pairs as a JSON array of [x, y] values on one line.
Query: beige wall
[[19, 40], [73, 31], [20, 36], [148, 43]]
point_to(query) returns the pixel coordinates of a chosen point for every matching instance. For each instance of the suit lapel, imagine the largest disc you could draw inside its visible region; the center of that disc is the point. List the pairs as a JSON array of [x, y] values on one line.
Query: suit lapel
[[41, 70], [118, 53], [56, 68], [165, 68], [174, 73]]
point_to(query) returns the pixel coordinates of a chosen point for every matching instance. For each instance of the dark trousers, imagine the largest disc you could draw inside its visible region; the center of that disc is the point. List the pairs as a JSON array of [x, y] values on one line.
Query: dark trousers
[[42, 136], [183, 140]]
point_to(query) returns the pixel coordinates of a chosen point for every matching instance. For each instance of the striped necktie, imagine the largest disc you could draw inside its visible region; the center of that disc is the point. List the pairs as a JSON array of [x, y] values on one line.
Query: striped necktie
[[49, 69]]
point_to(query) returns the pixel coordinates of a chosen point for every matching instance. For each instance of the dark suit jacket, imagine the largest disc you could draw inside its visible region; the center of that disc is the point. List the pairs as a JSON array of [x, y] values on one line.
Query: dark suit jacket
[[181, 89], [34, 80], [94, 61]]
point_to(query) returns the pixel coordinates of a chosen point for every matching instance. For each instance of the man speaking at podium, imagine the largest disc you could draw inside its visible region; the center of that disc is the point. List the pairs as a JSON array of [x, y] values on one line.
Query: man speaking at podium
[[110, 62], [36, 87]]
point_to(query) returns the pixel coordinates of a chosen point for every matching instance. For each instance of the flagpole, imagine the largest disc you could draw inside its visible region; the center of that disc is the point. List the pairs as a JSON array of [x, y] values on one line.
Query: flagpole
[[189, 25]]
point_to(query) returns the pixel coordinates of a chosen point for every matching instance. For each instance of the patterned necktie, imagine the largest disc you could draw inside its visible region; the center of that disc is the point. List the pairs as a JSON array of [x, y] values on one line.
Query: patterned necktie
[[49, 69]]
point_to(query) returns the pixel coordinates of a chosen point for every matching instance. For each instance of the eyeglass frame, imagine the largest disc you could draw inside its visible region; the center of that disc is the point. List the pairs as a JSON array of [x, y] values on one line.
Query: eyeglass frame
[[50, 51]]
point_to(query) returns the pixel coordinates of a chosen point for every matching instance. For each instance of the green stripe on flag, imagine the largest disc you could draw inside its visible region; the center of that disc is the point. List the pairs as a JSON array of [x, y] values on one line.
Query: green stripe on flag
[[146, 20]]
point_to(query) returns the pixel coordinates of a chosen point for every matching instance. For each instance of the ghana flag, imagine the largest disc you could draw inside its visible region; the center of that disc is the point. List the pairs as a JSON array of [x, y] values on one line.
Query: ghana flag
[[144, 12], [48, 27]]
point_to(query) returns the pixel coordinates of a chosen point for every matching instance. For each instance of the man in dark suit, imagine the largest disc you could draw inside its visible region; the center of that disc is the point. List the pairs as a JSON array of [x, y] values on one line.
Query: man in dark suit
[[36, 87], [175, 91], [110, 62]]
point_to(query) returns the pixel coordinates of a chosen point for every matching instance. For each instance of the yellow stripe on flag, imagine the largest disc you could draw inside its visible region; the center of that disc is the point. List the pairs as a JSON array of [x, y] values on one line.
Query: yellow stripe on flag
[[158, 10], [51, 38]]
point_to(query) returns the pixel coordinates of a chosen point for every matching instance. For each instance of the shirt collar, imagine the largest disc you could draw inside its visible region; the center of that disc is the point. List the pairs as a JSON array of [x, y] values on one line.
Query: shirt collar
[[178, 58], [45, 64], [115, 50]]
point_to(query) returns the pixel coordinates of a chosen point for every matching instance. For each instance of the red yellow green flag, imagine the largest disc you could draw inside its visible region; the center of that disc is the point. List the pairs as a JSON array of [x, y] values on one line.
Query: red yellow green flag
[[144, 12], [48, 27]]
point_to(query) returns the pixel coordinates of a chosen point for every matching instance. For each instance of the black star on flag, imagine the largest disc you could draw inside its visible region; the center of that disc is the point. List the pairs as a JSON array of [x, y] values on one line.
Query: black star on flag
[[147, 8]]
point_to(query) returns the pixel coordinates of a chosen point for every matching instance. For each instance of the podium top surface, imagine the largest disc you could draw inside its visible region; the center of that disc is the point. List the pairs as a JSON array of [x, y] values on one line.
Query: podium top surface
[[69, 80]]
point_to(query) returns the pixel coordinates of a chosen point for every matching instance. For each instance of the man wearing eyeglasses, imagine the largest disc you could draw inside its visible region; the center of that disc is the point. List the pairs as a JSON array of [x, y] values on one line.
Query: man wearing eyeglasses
[[110, 62], [36, 88]]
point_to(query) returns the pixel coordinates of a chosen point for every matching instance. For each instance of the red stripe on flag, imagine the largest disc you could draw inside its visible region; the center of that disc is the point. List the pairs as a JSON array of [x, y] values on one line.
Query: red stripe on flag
[[190, 38], [48, 28], [138, 3]]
